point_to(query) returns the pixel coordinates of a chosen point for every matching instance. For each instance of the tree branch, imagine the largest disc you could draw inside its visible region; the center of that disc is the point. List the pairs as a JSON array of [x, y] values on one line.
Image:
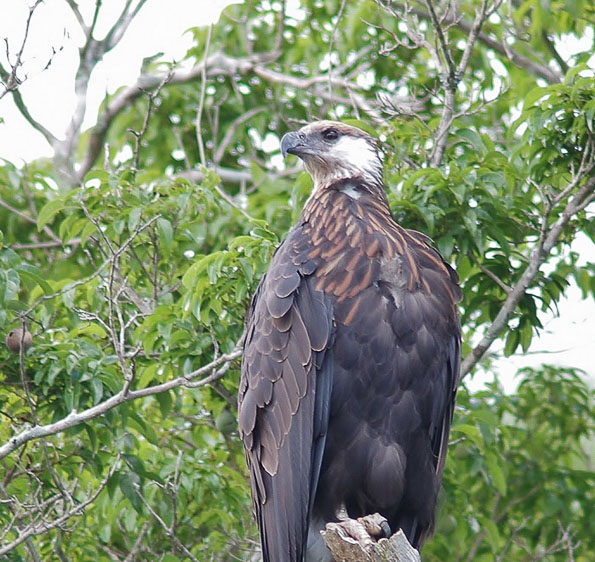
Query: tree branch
[[216, 64], [117, 31], [451, 74], [10, 79], [230, 175], [539, 255], [231, 130], [363, 548], [168, 530], [18, 101], [540, 70], [306, 83], [203, 89], [77, 14], [43, 526], [552, 49], [138, 135], [217, 368]]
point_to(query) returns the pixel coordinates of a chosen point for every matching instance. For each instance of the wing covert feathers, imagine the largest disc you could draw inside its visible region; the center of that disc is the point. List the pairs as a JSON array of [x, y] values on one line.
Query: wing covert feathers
[[284, 394], [349, 373]]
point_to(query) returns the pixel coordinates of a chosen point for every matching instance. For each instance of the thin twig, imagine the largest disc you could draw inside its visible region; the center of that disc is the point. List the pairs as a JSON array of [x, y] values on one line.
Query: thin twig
[[168, 531], [203, 89], [138, 135], [138, 543], [12, 81], [45, 526], [540, 70], [331, 44], [491, 275], [231, 131], [217, 63]]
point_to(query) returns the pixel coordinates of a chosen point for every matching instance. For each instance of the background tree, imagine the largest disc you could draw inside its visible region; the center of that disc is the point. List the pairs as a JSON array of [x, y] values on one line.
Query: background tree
[[131, 256]]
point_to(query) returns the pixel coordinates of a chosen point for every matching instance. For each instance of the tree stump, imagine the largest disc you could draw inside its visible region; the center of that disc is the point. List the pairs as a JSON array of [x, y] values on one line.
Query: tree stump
[[357, 541]]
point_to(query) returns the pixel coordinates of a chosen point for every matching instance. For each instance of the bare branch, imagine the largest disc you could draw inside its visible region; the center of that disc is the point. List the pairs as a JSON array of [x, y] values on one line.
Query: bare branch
[[536, 68], [216, 64], [203, 89], [306, 83], [231, 130], [26, 217], [11, 80], [536, 260], [28, 541], [43, 526], [138, 543], [492, 276], [77, 14], [21, 106], [217, 368], [451, 75], [480, 18], [450, 78], [138, 135], [450, 70], [331, 44], [47, 244], [117, 31], [169, 531], [552, 49]]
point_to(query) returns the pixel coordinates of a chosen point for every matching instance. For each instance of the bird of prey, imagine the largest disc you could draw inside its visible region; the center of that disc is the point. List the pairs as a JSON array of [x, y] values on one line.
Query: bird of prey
[[351, 356]]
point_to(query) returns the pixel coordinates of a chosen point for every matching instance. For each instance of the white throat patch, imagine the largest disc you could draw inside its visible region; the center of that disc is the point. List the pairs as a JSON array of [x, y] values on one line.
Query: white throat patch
[[349, 157], [357, 153]]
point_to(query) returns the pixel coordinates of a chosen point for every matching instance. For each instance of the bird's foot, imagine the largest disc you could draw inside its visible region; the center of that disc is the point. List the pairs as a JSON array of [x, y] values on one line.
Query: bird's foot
[[360, 540], [364, 530]]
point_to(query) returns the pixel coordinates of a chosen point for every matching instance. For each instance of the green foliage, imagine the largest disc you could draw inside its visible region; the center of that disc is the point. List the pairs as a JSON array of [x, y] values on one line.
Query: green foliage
[[518, 475], [141, 277], [130, 246]]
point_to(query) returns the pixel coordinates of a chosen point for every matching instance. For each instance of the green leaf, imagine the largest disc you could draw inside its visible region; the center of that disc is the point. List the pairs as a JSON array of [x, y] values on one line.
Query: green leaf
[[165, 403], [134, 218], [33, 273], [470, 431], [49, 211], [512, 341], [166, 232], [130, 486], [473, 138]]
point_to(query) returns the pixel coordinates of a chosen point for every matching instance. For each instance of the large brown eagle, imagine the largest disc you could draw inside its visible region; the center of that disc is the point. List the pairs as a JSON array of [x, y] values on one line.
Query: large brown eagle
[[350, 361]]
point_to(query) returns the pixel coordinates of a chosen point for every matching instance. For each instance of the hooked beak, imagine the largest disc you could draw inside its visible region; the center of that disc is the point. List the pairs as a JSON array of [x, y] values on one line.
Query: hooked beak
[[291, 143]]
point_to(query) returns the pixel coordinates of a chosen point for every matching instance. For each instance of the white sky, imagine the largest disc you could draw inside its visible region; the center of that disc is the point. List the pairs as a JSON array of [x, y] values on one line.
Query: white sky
[[567, 340], [159, 27]]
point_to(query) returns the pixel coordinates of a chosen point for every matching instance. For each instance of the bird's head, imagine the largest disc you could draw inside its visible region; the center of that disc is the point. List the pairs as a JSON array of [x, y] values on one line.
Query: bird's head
[[333, 151]]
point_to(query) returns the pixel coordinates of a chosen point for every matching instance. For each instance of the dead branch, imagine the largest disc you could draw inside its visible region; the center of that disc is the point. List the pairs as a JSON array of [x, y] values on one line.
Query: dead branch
[[138, 135], [451, 74], [169, 530], [11, 80], [90, 54]]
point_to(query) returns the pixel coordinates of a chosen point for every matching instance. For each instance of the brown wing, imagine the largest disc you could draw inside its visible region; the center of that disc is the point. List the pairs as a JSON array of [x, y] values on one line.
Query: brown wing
[[284, 397]]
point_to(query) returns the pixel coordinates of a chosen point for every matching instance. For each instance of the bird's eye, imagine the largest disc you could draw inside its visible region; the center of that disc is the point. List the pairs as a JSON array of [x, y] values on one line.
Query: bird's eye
[[330, 134]]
